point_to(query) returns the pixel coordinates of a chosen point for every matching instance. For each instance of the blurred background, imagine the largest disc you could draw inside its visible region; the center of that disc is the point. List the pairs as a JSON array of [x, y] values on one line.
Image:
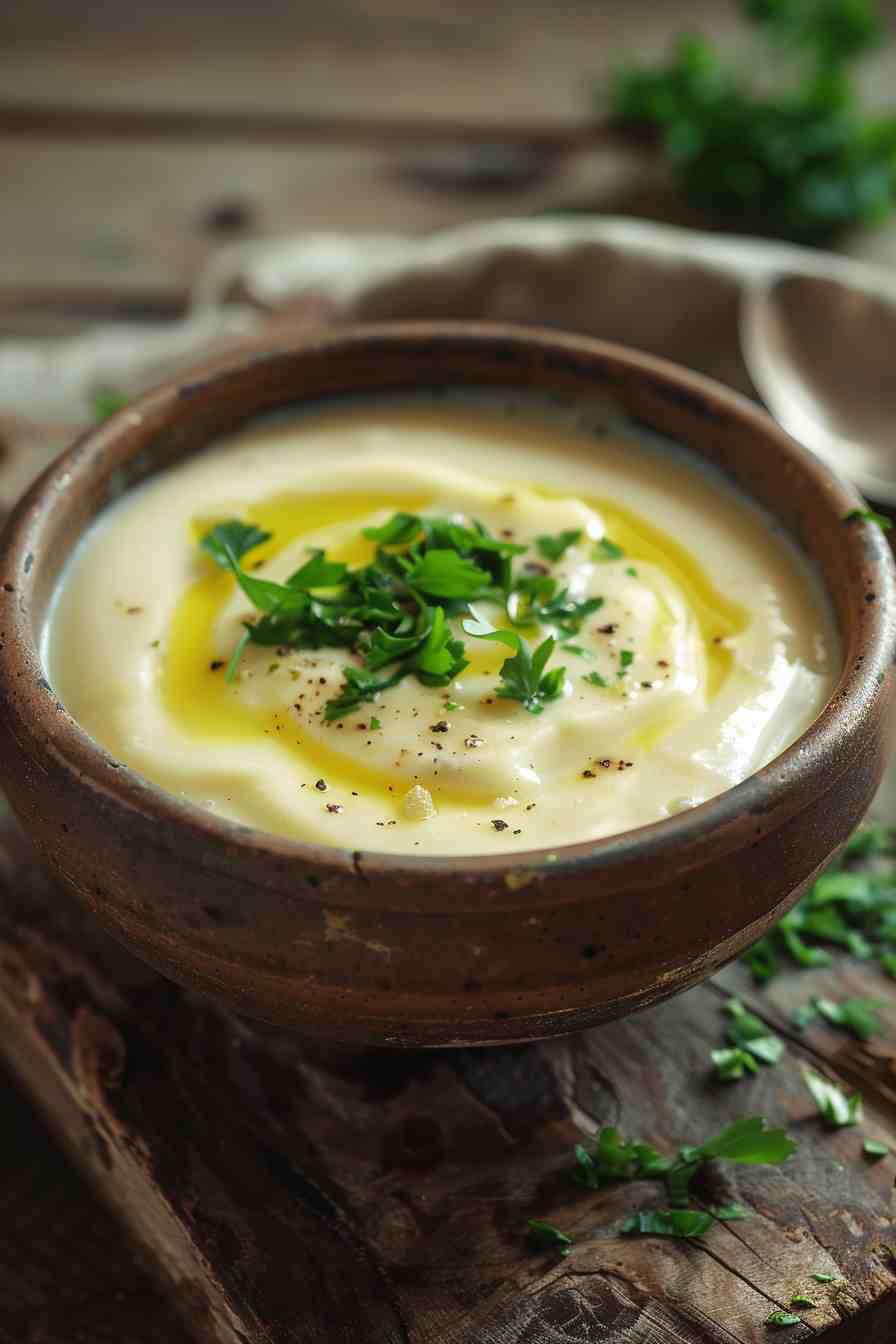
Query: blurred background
[[136, 139]]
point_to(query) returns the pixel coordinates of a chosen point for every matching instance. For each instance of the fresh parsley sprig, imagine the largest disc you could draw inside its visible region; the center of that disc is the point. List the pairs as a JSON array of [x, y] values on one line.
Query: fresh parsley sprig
[[523, 677]]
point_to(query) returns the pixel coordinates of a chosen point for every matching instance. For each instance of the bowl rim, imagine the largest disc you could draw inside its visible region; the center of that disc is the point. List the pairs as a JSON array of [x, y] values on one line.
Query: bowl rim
[[59, 734]]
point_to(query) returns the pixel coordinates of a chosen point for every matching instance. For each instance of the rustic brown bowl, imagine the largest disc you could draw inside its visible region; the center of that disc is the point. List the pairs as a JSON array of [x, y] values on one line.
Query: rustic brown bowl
[[393, 950]]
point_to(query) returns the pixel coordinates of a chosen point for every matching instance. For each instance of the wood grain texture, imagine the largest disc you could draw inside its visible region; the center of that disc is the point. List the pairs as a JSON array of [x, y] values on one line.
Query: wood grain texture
[[289, 1192]]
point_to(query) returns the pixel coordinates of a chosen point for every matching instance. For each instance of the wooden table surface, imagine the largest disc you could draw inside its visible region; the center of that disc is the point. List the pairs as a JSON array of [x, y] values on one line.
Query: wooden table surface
[[134, 142]]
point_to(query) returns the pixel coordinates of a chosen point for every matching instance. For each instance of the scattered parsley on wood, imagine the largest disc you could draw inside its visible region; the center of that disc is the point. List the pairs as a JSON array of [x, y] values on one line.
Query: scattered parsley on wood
[[546, 1237], [733, 1064], [800, 1300], [858, 1016], [783, 1318], [683, 1223], [836, 1109], [731, 1213], [749, 1033], [847, 907], [874, 1149], [824, 1278], [748, 1141], [869, 516]]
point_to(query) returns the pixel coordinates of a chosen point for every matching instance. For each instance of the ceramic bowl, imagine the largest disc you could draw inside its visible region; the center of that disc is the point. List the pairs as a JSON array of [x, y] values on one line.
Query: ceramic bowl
[[400, 951]]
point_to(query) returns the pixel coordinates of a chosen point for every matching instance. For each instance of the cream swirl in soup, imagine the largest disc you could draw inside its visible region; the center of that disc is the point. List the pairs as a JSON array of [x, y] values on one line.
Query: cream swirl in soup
[[630, 637]]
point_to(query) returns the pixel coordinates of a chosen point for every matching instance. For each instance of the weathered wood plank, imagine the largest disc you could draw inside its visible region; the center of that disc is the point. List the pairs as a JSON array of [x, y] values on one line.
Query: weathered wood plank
[[66, 1275], [415, 60], [134, 218]]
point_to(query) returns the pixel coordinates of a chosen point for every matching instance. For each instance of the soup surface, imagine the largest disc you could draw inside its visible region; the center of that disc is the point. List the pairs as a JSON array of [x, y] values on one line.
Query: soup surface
[[521, 632]]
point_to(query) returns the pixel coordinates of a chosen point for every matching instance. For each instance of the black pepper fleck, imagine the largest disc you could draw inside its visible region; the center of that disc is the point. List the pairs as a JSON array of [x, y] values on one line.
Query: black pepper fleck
[[321, 785], [498, 824]]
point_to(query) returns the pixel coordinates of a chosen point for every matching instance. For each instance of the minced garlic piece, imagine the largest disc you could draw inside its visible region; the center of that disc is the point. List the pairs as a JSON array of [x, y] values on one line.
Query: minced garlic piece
[[417, 804]]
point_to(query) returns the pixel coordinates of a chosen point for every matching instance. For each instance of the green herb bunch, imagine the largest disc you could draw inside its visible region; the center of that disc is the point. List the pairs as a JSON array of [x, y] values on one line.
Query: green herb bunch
[[395, 611], [801, 161]]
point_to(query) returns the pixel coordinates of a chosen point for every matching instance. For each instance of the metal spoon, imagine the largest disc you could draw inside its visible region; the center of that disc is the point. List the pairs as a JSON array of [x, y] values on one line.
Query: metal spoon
[[822, 355]]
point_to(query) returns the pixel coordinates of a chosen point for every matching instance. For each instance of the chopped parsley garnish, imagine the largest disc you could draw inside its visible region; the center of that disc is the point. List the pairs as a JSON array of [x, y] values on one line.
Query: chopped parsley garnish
[[595, 679], [395, 611], [748, 1032], [546, 1237], [783, 1318], [869, 516], [732, 1065], [684, 1223], [375, 723], [523, 676], [626, 658], [874, 1149], [554, 548], [605, 549], [836, 1109], [731, 1213], [858, 1016]]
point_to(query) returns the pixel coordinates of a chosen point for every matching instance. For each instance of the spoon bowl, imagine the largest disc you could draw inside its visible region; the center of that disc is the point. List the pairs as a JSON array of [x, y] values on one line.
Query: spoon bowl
[[822, 355]]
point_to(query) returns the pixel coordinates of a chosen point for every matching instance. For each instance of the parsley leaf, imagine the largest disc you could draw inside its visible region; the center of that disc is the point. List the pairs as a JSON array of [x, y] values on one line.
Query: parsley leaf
[[595, 679], [523, 676], [802, 1301], [731, 1065], [824, 1278], [749, 1032], [401, 529], [731, 1213], [837, 1110], [874, 1149], [626, 658], [749, 1141], [554, 548], [684, 1223], [547, 1237], [443, 573], [231, 540], [783, 1318], [605, 550], [858, 1016], [869, 516], [359, 687]]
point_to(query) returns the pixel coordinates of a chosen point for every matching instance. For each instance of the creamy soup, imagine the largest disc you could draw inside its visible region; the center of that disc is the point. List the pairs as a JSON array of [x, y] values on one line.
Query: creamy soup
[[500, 632]]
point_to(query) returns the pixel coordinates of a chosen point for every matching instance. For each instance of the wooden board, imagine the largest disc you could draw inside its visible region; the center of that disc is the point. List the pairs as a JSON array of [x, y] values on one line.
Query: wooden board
[[66, 1274], [288, 1192]]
